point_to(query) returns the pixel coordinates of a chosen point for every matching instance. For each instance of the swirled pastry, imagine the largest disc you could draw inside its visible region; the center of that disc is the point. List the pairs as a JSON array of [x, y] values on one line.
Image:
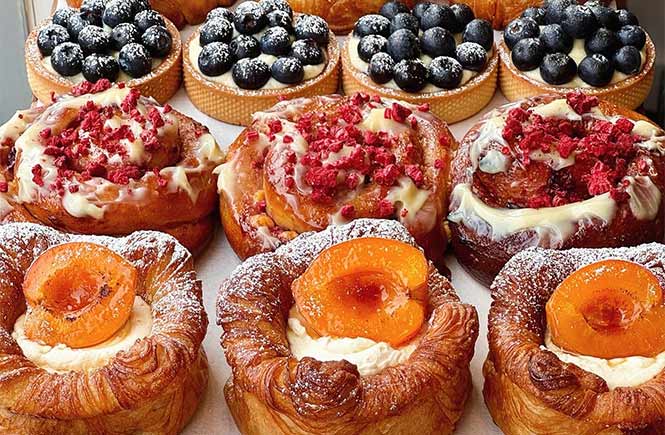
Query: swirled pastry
[[109, 162], [346, 331], [557, 173], [312, 162]]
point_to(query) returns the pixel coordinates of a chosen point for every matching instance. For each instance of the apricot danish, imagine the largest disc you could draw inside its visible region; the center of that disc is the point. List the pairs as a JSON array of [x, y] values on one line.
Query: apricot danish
[[109, 162], [556, 173], [312, 162], [303, 338]]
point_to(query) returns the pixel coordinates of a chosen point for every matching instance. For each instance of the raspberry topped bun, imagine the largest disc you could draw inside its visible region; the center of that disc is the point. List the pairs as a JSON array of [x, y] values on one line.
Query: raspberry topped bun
[[120, 41], [591, 48], [312, 162], [428, 54], [555, 172], [106, 160], [260, 52]]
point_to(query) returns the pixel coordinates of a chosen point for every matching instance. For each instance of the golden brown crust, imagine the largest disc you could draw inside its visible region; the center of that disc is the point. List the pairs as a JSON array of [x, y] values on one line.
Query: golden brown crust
[[527, 388], [272, 392], [629, 93], [221, 102], [484, 256], [451, 106], [161, 84], [154, 386]]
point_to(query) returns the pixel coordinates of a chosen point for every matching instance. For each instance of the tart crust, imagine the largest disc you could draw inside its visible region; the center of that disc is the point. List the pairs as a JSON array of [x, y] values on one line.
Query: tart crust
[[271, 392], [236, 105], [161, 84], [528, 390], [629, 93], [450, 105], [153, 387]]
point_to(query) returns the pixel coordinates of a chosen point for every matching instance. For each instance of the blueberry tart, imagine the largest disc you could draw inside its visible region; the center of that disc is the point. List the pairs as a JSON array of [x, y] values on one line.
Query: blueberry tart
[[565, 46], [434, 54], [119, 40], [258, 53]]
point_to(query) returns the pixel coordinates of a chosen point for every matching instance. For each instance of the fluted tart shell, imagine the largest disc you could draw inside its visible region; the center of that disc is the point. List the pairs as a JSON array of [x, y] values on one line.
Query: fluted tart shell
[[153, 387]]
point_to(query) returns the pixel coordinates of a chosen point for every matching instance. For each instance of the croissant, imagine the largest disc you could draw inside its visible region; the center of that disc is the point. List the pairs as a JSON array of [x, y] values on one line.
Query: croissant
[[510, 193], [282, 175], [110, 162], [153, 387], [272, 392]]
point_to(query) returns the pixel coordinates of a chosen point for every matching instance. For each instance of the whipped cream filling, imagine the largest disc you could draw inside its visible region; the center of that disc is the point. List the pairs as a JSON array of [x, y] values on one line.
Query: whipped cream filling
[[617, 372], [368, 355], [62, 358], [78, 78]]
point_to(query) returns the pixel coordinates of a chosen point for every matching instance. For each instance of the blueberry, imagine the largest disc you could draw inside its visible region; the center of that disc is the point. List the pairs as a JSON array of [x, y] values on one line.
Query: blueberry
[[124, 34], [392, 8], [405, 20], [216, 30], [555, 40], [50, 37], [420, 8], [67, 59], [372, 24], [93, 9], [61, 16], [139, 6], [75, 24], [410, 75], [481, 32], [403, 44], [463, 15], [116, 12], [158, 41], [628, 60], [251, 73], [603, 41], [632, 35], [307, 51], [438, 16], [558, 68], [223, 13], [527, 54], [250, 18], [288, 70], [536, 14], [445, 72], [146, 19], [472, 56], [100, 66], [520, 28], [605, 16], [579, 21], [93, 39], [276, 5], [276, 41], [381, 68], [438, 41], [244, 46], [596, 70], [370, 45], [280, 19], [215, 59], [312, 27], [554, 10], [626, 17], [135, 60]]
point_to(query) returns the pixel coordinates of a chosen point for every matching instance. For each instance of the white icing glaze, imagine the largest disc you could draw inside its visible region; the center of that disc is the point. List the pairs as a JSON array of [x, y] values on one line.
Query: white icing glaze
[[556, 109], [553, 159], [376, 121], [645, 197], [407, 197]]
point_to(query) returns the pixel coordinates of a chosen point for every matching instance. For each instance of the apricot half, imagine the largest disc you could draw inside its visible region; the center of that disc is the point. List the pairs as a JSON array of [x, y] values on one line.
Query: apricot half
[[369, 287], [78, 294], [609, 309]]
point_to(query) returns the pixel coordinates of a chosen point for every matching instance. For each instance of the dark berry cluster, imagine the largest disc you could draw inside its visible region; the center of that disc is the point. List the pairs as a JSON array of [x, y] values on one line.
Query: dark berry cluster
[[264, 27], [393, 41], [82, 41], [612, 38]]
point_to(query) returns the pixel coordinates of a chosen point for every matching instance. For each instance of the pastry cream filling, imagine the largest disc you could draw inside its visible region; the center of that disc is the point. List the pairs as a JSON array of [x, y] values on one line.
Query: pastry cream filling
[[617, 372], [61, 358], [78, 78], [368, 355]]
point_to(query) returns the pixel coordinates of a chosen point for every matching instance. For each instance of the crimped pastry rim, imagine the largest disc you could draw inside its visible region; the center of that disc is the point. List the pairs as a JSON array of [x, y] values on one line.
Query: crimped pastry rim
[[173, 345]]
